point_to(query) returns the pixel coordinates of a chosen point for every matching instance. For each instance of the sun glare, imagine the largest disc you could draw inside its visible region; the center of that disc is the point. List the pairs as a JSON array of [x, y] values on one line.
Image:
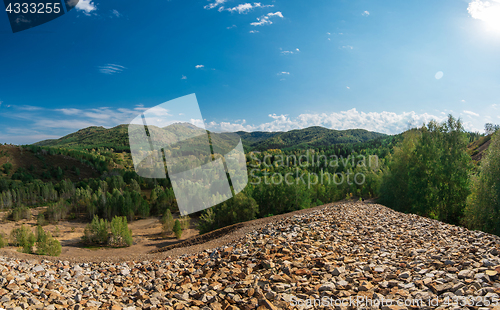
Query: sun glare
[[487, 11]]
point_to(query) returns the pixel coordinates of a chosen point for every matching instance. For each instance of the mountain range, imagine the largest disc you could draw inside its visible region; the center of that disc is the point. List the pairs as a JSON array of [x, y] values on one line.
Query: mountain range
[[117, 138]]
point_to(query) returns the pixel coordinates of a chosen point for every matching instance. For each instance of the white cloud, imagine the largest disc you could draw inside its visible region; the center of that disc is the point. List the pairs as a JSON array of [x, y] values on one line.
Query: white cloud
[[265, 19], [284, 73], [199, 66], [254, 31], [68, 124], [366, 13], [116, 13], [290, 52], [87, 6], [486, 11], [230, 27], [215, 4], [470, 113], [247, 7], [347, 47], [384, 122], [111, 69], [184, 77], [348, 87], [463, 100], [26, 138]]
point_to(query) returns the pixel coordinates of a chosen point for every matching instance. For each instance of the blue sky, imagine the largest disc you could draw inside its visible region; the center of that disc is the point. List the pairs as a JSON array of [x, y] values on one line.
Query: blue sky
[[269, 65]]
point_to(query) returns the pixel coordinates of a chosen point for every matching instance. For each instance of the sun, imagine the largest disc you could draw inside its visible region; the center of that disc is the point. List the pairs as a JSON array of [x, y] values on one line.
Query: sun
[[487, 11]]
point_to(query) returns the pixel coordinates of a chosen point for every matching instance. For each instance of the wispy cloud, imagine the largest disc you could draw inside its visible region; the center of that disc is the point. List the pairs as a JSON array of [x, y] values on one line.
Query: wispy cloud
[[347, 47], [215, 4], [184, 77], [87, 6], [231, 27], [247, 7], [42, 123], [199, 66], [366, 13], [254, 31], [290, 52], [266, 19], [284, 73], [116, 13], [470, 113], [111, 69], [27, 108]]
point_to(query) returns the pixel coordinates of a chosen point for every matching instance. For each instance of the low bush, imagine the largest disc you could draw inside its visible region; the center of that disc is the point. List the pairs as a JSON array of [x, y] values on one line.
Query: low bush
[[7, 167], [185, 222], [40, 219], [23, 238], [116, 233], [97, 231], [3, 242], [121, 235], [46, 244], [20, 213]]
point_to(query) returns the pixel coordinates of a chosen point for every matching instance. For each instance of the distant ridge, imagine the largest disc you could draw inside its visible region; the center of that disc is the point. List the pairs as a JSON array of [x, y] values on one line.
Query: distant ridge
[[117, 138]]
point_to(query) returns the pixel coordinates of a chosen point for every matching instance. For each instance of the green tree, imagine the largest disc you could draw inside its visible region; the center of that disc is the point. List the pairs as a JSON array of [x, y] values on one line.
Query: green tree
[[428, 174], [483, 205], [121, 235], [177, 229], [167, 221]]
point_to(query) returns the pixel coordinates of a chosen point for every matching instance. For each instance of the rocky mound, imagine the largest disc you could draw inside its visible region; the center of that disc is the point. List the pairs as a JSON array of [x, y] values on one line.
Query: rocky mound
[[346, 256]]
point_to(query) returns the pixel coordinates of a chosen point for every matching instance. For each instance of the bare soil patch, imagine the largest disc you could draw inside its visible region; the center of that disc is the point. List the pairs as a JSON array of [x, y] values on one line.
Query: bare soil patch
[[149, 242]]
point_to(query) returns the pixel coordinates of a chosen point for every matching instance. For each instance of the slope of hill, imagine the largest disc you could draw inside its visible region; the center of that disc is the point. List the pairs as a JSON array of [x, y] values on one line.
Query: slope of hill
[[477, 148], [40, 166], [117, 138], [93, 137], [312, 137]]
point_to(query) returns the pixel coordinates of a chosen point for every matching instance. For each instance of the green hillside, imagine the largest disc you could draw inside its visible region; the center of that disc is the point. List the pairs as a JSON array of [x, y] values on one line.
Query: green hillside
[[306, 138], [117, 138]]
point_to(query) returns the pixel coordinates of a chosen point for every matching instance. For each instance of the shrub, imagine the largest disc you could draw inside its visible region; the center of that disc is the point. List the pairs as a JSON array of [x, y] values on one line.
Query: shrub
[[45, 244], [20, 213], [40, 219], [24, 238], [3, 243], [96, 231], [177, 229], [167, 222], [7, 167], [185, 221], [121, 235]]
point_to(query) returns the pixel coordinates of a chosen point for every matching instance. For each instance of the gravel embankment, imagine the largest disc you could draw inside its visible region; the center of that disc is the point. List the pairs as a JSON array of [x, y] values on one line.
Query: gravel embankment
[[345, 256]]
